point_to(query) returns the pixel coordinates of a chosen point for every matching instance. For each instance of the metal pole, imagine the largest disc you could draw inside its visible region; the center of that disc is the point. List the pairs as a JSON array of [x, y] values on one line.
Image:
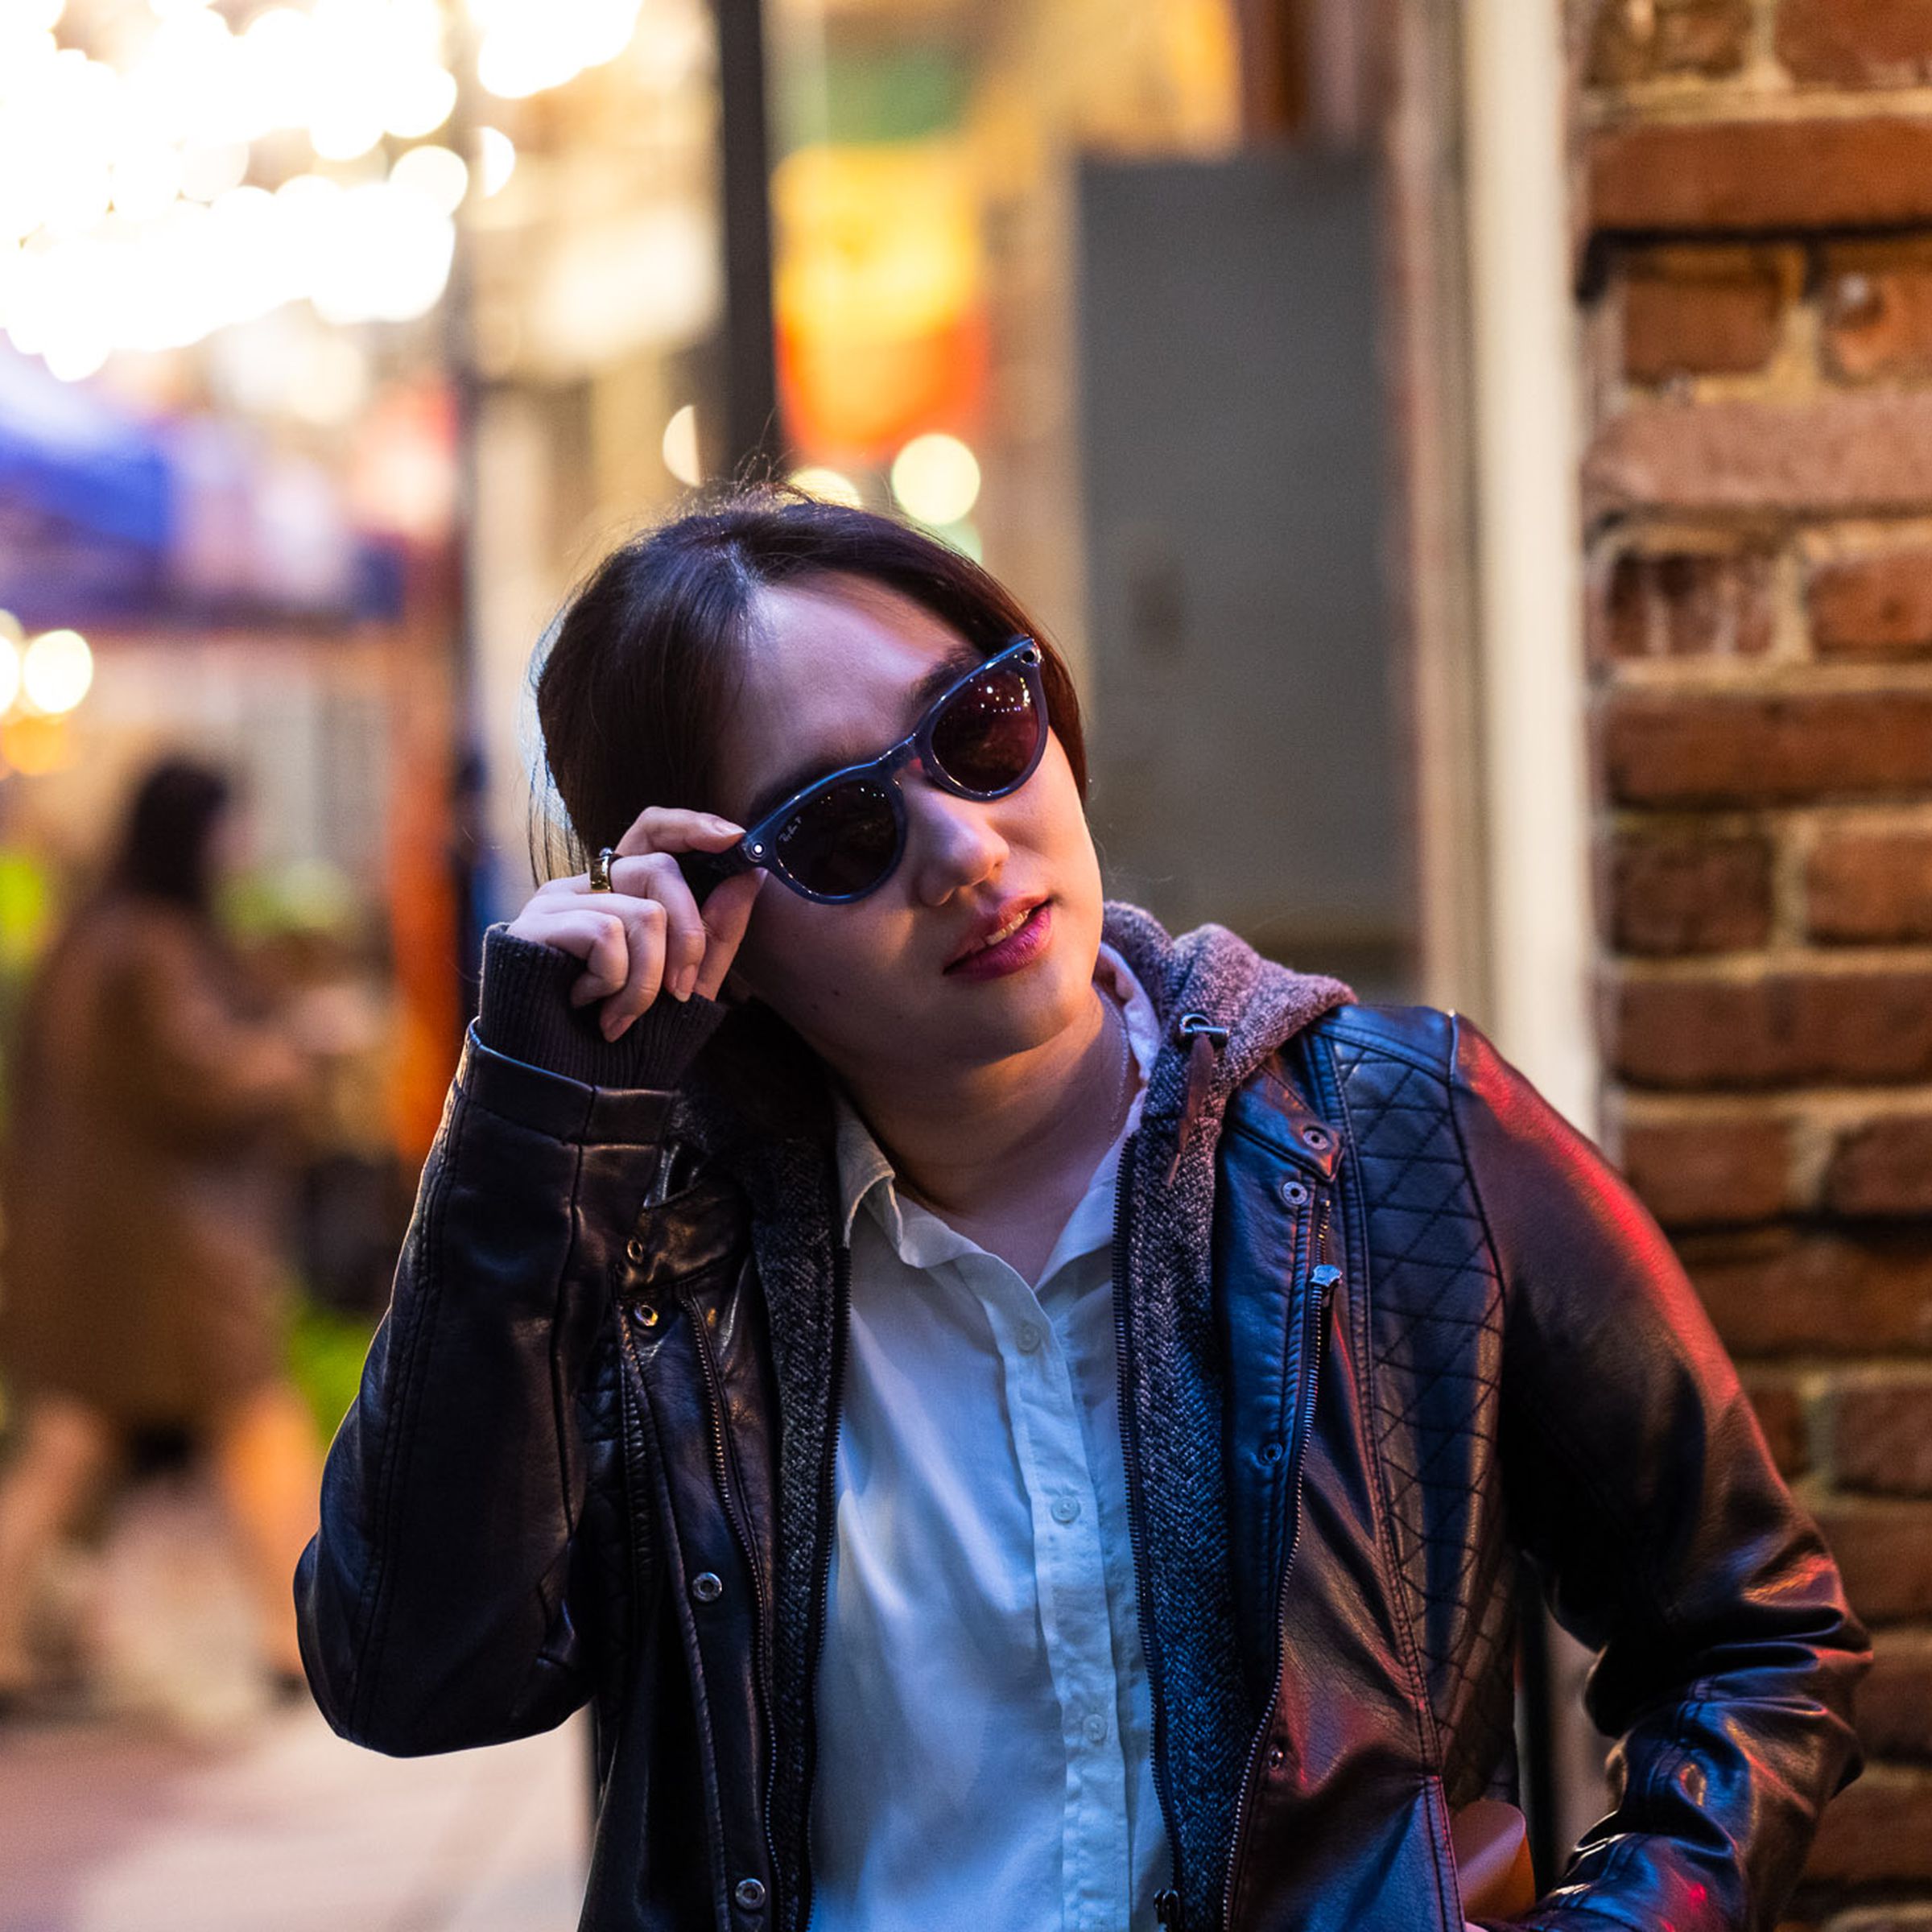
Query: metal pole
[[751, 440]]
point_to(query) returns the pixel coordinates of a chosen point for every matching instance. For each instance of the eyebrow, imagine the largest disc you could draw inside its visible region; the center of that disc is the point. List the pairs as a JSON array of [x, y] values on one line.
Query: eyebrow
[[947, 672]]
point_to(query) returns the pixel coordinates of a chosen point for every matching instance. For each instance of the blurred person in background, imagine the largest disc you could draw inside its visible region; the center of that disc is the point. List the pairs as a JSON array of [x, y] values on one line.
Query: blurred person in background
[[142, 1275]]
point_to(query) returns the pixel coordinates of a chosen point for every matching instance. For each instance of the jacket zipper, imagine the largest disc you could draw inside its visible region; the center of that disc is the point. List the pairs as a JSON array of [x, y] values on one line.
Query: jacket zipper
[[841, 1291], [714, 1385], [1322, 1278], [1167, 1909]]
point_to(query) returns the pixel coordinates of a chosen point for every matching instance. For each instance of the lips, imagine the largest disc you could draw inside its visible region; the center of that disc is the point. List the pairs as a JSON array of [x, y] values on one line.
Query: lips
[[996, 926]]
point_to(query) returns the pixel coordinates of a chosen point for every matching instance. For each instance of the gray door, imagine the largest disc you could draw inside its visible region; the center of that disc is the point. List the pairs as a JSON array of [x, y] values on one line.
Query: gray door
[[1244, 743]]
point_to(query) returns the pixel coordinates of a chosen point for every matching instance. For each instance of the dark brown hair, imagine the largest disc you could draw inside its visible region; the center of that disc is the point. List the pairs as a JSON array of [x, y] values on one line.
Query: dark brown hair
[[642, 667], [165, 850]]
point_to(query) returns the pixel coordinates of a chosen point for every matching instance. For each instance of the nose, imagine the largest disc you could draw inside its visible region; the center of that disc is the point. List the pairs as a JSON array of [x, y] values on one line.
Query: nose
[[952, 844]]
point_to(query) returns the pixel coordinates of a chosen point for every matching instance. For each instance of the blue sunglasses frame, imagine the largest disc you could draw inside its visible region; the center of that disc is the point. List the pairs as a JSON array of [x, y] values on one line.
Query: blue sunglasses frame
[[760, 846]]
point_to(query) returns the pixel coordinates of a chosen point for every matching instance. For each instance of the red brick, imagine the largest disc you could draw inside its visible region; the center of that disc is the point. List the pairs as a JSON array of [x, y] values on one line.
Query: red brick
[[1684, 604], [1700, 312], [1773, 1030], [1881, 1437], [1777, 1291], [1759, 176], [1878, 309], [1667, 747], [1870, 887], [1895, 1702], [1879, 1828], [1848, 451], [1629, 43], [1883, 1168], [1872, 607], [1781, 1414], [1687, 895], [1734, 1167], [1856, 43], [1884, 1551]]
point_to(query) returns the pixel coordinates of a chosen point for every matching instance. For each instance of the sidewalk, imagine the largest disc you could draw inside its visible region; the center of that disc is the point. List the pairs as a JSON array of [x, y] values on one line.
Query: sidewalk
[[198, 1810], [287, 1829]]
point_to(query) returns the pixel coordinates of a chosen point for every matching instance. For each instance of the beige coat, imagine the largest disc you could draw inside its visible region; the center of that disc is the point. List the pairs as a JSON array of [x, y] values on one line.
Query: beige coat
[[140, 1270]]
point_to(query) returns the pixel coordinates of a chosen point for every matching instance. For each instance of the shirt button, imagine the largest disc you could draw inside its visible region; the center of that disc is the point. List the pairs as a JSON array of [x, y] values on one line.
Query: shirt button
[[1095, 1729], [1066, 1509], [1028, 1338]]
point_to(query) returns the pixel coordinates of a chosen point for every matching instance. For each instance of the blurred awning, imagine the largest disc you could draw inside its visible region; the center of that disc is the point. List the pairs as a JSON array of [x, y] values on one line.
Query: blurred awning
[[107, 517]]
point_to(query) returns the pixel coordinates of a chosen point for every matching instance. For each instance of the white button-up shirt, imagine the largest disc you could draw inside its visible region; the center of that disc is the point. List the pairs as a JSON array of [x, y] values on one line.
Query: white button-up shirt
[[985, 1729]]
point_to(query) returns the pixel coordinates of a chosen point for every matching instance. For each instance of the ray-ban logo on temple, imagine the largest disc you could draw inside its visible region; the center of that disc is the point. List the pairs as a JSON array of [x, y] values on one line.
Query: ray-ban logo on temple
[[840, 837]]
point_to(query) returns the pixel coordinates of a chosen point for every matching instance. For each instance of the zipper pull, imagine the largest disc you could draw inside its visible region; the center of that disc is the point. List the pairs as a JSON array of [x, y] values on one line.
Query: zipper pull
[[1325, 1280], [1205, 1040], [1167, 1912]]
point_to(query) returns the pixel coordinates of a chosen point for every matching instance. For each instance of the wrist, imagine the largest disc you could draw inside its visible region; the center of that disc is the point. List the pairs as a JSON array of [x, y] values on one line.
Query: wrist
[[526, 1014]]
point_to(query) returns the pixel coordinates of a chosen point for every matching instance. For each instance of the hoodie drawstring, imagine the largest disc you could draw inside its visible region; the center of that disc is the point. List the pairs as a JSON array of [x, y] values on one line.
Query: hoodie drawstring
[[1204, 1040]]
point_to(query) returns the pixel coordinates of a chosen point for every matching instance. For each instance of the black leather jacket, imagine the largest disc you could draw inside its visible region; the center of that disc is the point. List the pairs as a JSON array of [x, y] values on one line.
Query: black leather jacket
[[1384, 1322]]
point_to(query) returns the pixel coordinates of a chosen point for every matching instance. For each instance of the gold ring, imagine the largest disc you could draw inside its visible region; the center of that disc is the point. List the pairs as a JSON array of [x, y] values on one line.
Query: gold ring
[[600, 870]]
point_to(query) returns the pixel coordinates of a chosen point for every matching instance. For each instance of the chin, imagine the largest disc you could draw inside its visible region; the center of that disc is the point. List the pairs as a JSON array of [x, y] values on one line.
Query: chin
[[1054, 996]]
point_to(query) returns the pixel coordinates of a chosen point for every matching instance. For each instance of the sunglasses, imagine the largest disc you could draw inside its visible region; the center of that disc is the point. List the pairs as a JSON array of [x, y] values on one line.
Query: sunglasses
[[843, 836]]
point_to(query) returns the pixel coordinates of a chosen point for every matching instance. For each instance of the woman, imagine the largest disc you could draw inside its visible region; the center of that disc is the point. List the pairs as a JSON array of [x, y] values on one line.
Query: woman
[[1011, 1419], [142, 1288]]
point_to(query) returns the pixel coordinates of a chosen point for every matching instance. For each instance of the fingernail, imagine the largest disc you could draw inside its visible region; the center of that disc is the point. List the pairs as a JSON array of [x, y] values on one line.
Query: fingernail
[[686, 980], [612, 1024]]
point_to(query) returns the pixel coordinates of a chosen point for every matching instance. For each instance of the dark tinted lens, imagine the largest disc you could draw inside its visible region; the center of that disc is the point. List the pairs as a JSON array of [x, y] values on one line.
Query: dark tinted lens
[[840, 842], [986, 737]]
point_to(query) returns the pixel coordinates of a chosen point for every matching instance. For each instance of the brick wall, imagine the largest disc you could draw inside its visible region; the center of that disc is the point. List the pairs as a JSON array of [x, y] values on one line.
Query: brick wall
[[1754, 230]]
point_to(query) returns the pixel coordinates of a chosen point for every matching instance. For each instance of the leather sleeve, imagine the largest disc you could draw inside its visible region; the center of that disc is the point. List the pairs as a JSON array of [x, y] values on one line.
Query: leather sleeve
[[463, 1586], [1639, 1482]]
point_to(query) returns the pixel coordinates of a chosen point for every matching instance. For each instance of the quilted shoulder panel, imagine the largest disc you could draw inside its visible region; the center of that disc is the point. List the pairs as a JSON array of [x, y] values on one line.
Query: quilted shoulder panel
[[1436, 1337]]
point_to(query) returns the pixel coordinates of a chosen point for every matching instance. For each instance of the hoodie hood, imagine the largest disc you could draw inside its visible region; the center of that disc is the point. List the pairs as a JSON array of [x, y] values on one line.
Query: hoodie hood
[[1223, 1010], [1215, 972]]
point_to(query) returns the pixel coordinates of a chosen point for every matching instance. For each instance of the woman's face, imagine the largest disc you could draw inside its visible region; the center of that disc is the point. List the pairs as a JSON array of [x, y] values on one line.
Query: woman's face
[[830, 680]]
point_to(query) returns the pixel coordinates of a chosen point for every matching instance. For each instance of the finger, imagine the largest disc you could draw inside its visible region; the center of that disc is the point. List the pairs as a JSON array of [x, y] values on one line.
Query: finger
[[672, 829], [646, 972], [656, 877], [575, 923], [727, 913], [597, 938]]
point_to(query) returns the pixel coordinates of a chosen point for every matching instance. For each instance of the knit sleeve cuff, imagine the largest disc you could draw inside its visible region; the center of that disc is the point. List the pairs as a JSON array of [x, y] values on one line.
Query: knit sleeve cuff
[[526, 1013]]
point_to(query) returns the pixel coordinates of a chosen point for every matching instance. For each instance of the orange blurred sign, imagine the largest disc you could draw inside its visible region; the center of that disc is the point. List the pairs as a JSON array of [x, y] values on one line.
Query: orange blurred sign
[[880, 294]]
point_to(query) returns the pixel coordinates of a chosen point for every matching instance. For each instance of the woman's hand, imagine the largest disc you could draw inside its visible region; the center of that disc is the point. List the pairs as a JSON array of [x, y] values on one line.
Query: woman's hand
[[648, 932]]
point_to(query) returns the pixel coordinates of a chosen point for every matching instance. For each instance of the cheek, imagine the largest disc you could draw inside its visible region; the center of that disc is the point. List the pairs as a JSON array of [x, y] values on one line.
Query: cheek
[[804, 960], [1058, 822]]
